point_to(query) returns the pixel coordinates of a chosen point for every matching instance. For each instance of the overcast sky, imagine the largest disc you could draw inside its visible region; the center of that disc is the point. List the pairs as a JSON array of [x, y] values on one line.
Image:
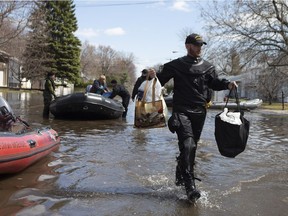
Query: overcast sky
[[151, 30]]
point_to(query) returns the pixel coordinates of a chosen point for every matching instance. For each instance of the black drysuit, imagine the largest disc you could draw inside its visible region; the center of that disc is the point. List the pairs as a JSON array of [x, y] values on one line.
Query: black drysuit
[[194, 79], [124, 94], [137, 84]]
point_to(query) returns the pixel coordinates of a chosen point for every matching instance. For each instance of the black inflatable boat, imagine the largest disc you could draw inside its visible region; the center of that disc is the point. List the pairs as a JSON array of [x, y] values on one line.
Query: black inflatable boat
[[86, 106]]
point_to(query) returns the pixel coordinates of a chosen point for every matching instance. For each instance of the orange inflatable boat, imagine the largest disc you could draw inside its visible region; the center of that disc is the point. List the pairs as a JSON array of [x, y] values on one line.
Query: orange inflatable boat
[[20, 145], [20, 150]]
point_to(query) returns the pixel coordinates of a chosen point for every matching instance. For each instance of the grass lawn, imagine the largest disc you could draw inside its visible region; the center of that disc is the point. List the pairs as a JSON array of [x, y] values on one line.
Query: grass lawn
[[274, 106]]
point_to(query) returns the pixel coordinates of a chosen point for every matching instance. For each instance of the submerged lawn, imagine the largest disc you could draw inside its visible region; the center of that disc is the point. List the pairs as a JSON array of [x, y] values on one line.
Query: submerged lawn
[[274, 106]]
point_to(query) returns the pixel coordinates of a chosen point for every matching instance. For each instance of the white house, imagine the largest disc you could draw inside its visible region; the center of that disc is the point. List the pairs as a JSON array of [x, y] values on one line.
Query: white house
[[10, 69], [10, 76]]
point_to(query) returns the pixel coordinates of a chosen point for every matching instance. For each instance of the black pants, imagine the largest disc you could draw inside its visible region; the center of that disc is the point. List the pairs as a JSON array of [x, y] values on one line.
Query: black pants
[[46, 109], [125, 103], [191, 122]]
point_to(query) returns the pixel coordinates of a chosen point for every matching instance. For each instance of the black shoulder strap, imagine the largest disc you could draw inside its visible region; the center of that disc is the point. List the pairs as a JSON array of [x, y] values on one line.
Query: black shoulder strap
[[236, 97]]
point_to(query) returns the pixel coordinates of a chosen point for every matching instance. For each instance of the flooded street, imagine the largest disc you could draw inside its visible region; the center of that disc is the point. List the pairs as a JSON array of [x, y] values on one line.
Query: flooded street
[[111, 168]]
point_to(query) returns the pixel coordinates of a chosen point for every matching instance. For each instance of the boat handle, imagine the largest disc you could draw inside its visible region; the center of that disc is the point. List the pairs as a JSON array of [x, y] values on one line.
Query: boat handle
[[32, 143]]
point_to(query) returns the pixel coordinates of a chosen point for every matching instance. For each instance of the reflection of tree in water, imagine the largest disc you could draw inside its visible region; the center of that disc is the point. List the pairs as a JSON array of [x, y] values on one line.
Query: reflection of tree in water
[[276, 125], [267, 139]]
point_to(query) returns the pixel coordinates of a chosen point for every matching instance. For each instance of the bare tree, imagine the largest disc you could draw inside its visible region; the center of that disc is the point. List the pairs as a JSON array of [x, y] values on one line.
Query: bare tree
[[13, 19], [252, 30], [104, 60], [252, 27], [36, 59], [87, 61], [124, 68], [269, 84], [105, 57]]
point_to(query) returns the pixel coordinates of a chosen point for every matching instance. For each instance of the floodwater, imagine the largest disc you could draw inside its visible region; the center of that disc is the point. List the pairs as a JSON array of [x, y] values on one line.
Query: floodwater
[[110, 168]]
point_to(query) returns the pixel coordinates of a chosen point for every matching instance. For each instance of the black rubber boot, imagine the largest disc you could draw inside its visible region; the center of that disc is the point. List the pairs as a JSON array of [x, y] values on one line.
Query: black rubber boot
[[179, 178], [192, 193], [187, 160]]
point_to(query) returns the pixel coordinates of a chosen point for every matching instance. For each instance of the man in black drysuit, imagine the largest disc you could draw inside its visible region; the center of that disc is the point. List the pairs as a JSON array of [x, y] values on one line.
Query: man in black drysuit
[[123, 93], [193, 80]]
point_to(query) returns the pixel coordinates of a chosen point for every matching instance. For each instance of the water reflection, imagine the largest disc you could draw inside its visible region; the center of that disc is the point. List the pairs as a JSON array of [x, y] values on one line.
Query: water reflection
[[111, 168], [16, 189]]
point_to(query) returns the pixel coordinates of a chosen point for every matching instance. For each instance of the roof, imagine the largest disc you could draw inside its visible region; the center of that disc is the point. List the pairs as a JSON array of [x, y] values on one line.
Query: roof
[[4, 56]]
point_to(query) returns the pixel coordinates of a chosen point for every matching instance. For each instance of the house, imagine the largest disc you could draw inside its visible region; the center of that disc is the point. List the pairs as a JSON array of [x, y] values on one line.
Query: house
[[10, 72], [10, 76], [10, 69], [246, 86]]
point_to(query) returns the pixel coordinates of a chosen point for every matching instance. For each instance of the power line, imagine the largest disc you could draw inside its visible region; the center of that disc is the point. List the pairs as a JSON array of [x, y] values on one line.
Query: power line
[[91, 3], [106, 4]]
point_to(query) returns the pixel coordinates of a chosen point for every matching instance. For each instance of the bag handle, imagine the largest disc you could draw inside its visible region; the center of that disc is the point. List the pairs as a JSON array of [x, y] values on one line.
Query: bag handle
[[146, 89], [236, 97], [153, 91]]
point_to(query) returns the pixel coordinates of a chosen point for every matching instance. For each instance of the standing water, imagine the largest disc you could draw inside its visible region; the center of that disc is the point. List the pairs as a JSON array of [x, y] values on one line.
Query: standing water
[[111, 168]]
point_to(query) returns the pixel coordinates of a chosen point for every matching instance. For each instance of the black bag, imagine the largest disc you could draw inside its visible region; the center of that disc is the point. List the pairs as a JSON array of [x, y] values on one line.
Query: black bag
[[231, 138]]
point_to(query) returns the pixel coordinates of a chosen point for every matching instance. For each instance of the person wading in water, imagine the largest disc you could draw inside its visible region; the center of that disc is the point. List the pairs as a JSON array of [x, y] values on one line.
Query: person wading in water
[[48, 93], [194, 78]]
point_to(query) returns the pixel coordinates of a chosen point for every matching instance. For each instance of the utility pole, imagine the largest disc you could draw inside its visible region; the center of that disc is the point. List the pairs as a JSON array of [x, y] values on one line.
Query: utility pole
[[282, 100]]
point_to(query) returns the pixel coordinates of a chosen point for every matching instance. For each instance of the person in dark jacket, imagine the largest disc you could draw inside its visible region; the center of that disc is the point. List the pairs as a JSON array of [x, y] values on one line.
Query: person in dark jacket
[[194, 78], [121, 91], [99, 86], [138, 83], [48, 93]]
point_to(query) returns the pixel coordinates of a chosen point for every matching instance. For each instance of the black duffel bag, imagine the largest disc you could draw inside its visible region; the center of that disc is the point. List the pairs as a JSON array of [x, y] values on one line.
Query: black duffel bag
[[232, 133]]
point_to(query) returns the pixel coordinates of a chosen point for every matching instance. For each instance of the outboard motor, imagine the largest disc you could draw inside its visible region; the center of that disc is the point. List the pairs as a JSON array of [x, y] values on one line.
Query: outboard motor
[[7, 117], [4, 103]]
